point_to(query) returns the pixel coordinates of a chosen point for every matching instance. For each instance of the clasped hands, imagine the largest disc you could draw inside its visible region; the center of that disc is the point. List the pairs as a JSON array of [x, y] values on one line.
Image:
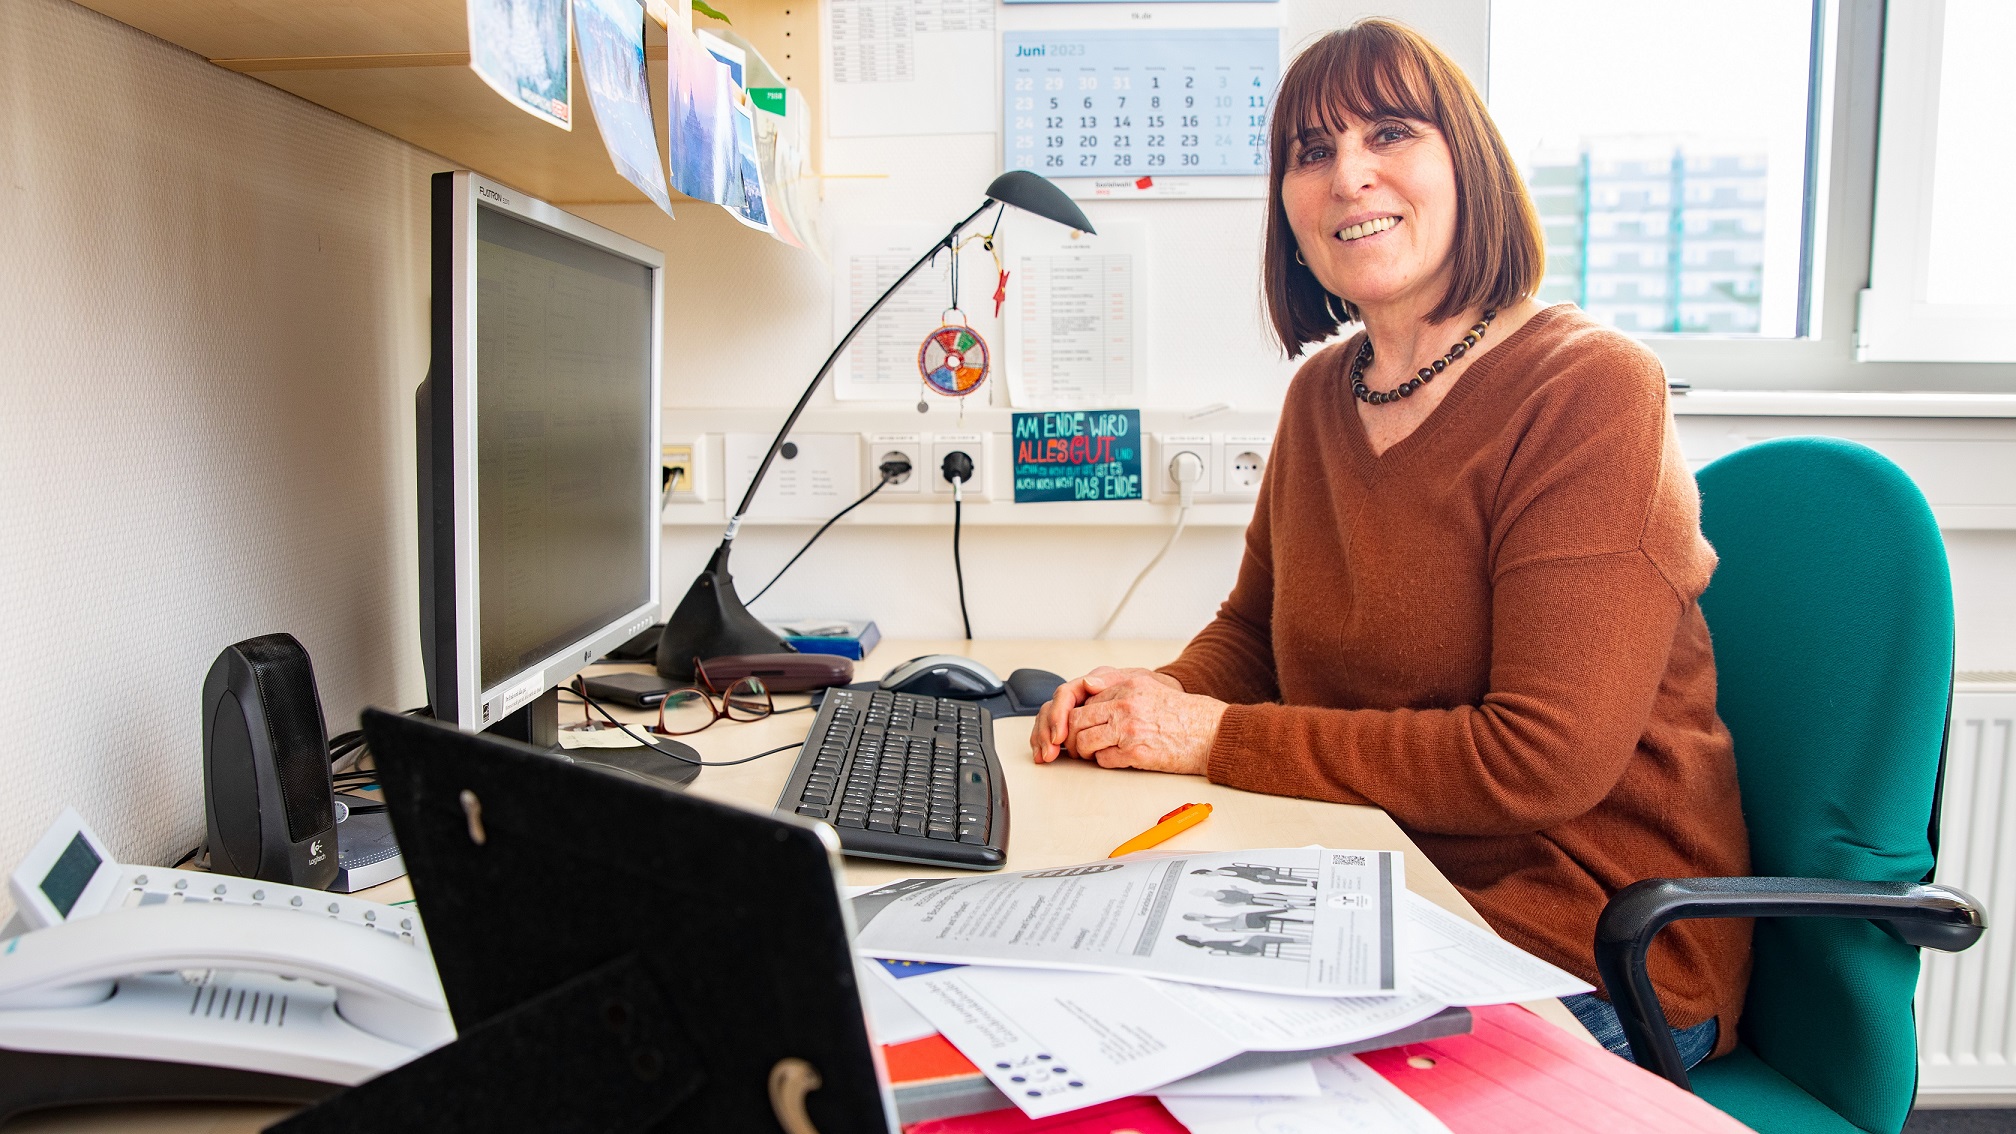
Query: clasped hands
[[1128, 718]]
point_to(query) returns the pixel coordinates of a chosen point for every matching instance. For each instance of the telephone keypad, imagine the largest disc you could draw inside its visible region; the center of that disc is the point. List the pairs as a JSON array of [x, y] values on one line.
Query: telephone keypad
[[156, 887]]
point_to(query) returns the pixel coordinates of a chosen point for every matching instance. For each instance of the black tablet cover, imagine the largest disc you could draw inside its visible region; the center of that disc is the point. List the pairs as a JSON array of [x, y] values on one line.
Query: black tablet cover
[[617, 957]]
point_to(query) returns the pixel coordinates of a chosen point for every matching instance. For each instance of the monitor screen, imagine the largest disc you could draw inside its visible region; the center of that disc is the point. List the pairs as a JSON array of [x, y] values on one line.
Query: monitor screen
[[563, 411]]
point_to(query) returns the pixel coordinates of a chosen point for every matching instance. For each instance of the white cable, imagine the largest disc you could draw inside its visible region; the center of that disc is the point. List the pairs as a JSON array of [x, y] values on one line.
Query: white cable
[[1186, 470]]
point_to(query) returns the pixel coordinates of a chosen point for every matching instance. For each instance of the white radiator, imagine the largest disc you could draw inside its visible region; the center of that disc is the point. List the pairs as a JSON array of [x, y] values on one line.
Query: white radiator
[[1967, 1001]]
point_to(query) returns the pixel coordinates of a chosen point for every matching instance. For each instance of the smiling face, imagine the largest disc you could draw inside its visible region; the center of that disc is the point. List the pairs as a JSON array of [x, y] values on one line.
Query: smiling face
[[1373, 123], [1372, 205]]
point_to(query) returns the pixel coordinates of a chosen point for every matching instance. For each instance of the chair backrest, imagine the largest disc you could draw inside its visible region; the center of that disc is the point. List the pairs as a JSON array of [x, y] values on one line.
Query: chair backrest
[[1832, 618]]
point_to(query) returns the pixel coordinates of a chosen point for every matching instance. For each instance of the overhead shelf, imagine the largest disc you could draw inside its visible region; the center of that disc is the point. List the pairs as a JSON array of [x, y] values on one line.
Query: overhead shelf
[[401, 66]]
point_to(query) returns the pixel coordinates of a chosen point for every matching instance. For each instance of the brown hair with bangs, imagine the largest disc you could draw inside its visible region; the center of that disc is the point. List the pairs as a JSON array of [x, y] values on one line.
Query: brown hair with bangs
[[1379, 68]]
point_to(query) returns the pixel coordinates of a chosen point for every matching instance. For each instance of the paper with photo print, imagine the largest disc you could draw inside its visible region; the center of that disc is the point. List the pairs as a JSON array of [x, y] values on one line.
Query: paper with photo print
[[610, 34], [700, 112], [745, 200], [519, 47], [1308, 921]]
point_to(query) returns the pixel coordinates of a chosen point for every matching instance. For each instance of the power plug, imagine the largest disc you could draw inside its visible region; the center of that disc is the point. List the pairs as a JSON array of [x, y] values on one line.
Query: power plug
[[1186, 469], [957, 469], [895, 468]]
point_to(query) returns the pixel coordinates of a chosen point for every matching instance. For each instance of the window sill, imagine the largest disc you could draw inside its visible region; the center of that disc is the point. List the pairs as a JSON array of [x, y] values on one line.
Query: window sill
[[1816, 403]]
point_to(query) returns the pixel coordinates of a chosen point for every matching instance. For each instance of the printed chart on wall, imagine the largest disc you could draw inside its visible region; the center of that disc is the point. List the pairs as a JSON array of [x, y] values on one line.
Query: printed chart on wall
[[881, 363], [909, 67], [1073, 316], [1147, 112]]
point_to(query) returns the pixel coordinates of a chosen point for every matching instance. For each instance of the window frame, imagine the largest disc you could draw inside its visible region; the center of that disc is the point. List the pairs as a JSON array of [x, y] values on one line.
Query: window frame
[[1895, 323], [1841, 192]]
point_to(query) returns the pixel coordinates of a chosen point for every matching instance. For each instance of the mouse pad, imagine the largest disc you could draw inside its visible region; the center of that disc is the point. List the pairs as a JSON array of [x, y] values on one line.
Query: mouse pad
[[1035, 684]]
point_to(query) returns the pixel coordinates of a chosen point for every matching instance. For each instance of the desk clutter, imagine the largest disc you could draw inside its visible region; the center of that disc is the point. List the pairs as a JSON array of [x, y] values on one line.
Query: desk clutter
[[1242, 975], [714, 976]]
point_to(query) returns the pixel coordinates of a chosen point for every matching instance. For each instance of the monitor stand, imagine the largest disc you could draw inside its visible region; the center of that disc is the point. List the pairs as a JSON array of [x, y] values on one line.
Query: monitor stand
[[538, 724]]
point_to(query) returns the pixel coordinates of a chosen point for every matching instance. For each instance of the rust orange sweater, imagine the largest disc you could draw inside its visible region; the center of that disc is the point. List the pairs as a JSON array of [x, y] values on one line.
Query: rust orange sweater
[[1491, 631]]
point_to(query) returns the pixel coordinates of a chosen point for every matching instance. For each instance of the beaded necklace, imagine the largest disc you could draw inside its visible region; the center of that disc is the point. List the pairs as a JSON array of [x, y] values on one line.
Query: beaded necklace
[[1425, 375]]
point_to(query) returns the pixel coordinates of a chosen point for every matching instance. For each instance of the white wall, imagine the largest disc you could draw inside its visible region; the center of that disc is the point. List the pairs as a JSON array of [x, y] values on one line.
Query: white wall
[[212, 316]]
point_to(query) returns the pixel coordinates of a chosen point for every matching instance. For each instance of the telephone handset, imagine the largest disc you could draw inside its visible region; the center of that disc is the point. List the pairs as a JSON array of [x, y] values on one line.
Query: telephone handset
[[124, 963]]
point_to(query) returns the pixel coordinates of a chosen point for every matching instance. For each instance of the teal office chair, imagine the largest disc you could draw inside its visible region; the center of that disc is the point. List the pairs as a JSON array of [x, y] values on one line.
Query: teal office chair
[[1832, 617]]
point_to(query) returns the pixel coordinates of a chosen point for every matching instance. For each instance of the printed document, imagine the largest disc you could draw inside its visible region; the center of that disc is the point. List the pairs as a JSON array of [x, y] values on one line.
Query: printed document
[[1308, 921], [921, 67], [1459, 963], [1074, 314], [1355, 1100], [1056, 1041]]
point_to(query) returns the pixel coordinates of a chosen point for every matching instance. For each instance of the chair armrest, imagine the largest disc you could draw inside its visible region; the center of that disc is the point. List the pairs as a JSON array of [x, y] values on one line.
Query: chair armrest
[[1926, 916]]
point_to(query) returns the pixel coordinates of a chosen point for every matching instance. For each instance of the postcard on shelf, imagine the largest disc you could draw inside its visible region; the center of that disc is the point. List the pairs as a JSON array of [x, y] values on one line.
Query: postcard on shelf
[[610, 35], [520, 48], [699, 108]]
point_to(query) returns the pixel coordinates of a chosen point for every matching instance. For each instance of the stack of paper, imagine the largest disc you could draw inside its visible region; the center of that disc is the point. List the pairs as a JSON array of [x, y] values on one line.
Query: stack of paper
[[1077, 985]]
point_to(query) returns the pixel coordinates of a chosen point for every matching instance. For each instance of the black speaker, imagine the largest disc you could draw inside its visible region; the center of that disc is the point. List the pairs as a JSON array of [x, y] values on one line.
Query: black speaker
[[266, 785]]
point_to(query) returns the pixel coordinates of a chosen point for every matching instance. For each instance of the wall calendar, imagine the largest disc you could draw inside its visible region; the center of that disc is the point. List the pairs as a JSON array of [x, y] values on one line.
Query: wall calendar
[[1137, 104]]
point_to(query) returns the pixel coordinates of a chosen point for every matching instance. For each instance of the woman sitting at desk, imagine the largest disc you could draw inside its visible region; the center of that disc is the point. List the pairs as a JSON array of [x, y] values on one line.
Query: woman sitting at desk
[[1469, 588]]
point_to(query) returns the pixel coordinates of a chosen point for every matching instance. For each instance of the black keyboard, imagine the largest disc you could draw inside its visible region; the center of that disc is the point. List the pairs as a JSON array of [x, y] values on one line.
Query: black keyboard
[[904, 777]]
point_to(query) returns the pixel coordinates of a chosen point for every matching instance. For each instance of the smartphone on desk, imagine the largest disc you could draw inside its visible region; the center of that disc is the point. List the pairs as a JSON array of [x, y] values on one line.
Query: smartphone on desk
[[638, 690]]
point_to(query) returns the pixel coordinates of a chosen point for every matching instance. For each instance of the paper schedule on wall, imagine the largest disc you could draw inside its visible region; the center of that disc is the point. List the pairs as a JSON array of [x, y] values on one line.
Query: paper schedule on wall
[[1072, 319], [1138, 103], [908, 67], [881, 363]]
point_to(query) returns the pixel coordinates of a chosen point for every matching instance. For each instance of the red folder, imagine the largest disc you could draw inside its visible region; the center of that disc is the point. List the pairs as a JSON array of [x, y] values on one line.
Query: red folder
[[1513, 1074]]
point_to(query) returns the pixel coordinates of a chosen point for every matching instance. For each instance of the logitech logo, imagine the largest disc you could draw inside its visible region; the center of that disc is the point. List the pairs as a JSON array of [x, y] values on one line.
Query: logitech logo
[[315, 854]]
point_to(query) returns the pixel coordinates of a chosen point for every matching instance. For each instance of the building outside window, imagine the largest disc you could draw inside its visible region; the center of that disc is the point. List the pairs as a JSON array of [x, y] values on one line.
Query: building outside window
[[1666, 150]]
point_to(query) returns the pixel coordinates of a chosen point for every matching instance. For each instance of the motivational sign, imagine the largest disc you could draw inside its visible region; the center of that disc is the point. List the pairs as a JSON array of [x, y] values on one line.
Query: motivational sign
[[1078, 455]]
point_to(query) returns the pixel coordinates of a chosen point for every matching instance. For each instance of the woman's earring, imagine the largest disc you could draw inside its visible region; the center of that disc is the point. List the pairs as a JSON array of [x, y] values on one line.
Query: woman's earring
[[1298, 256]]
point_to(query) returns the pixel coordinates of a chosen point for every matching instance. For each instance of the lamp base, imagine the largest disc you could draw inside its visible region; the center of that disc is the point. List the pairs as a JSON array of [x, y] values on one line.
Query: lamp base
[[710, 622]]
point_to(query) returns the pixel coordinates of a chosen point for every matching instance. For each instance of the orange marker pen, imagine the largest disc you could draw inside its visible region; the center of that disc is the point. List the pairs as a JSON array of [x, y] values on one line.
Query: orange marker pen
[[1171, 825]]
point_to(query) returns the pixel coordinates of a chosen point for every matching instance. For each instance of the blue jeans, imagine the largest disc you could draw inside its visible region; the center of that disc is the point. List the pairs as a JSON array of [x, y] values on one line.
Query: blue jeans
[[1600, 1018]]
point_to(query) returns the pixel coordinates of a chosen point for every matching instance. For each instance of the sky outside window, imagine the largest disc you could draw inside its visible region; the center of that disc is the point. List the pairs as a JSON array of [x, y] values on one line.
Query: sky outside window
[[1665, 145]]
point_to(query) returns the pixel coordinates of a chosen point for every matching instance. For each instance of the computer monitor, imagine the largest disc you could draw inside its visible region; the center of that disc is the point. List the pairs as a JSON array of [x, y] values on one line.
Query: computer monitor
[[538, 453]]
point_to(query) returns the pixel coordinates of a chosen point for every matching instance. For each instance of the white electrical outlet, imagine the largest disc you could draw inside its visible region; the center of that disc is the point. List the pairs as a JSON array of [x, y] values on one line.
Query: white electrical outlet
[[879, 447], [1167, 445], [686, 458], [979, 446], [1245, 463]]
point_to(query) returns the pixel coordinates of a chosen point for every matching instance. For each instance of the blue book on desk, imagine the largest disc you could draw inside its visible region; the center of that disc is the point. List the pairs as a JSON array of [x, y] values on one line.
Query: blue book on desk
[[850, 640]]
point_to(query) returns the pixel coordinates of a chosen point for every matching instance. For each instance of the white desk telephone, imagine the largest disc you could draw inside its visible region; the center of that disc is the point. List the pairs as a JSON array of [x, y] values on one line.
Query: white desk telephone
[[179, 966]]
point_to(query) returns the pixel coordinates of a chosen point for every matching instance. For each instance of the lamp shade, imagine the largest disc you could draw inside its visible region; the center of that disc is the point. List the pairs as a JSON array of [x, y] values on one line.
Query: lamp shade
[[1032, 193]]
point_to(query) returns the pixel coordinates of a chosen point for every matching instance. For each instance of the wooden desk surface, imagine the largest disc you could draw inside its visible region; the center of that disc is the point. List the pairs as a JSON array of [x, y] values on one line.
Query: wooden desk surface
[[1061, 813]]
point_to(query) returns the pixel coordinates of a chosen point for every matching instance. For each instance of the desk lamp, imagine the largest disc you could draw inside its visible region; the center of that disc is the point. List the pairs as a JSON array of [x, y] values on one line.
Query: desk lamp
[[711, 620]]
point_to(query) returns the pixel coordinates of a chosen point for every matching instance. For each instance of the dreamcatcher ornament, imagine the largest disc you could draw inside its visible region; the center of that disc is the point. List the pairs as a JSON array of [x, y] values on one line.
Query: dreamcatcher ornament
[[954, 360]]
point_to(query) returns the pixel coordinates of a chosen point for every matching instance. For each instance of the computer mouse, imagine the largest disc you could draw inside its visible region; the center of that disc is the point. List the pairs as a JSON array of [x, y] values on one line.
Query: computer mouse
[[943, 675]]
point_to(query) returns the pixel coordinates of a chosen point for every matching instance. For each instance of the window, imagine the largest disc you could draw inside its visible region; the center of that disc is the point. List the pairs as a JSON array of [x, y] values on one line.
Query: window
[[1940, 284], [1667, 150]]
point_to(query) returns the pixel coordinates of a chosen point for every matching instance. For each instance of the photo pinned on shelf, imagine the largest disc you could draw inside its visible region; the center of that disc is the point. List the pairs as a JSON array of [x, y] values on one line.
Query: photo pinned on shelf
[[745, 184], [519, 48], [700, 104], [610, 35]]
